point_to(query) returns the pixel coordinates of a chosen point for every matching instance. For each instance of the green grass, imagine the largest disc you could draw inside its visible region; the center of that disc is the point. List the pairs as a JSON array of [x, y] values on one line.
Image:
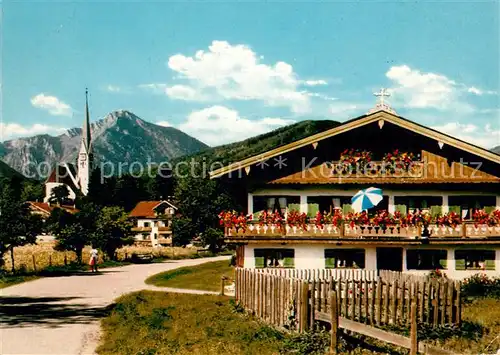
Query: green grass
[[205, 277], [10, 280], [150, 322], [484, 313]]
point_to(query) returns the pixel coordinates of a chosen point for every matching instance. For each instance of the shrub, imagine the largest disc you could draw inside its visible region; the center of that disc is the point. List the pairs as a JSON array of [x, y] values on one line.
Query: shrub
[[480, 285]]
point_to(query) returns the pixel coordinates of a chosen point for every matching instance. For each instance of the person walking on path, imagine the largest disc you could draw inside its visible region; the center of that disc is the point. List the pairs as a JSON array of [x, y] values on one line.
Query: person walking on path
[[93, 259]]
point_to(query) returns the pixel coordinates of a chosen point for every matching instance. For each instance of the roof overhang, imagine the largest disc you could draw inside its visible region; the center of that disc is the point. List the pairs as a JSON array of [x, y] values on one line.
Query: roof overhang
[[381, 115]]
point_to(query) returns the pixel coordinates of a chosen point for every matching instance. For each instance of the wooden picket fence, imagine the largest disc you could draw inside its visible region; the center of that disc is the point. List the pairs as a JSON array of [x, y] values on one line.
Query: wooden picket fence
[[292, 302], [324, 274]]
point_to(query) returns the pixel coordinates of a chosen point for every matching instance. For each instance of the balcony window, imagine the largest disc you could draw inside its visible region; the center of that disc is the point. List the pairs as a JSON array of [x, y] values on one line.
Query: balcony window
[[274, 258], [345, 258], [421, 259], [465, 205], [275, 203], [326, 203], [475, 259], [146, 224], [423, 203]]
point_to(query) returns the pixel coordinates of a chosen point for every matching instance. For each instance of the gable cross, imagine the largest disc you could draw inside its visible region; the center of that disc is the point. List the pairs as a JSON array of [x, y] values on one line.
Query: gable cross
[[381, 94]]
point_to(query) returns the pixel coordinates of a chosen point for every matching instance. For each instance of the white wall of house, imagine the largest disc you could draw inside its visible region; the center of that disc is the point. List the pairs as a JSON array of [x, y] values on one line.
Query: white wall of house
[[154, 234], [318, 191], [312, 256], [51, 185]]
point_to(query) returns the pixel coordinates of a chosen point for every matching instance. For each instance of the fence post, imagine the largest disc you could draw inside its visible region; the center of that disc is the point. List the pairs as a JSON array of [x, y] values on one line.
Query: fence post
[[34, 262], [65, 259], [413, 329], [222, 281], [305, 305], [334, 315]]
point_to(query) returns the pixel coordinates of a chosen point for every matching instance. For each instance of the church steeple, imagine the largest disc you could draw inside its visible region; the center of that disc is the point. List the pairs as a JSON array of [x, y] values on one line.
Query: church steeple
[[86, 137], [85, 157]]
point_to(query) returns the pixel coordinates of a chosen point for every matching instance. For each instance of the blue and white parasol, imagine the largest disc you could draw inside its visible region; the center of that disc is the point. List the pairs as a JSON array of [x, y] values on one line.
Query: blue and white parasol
[[365, 199]]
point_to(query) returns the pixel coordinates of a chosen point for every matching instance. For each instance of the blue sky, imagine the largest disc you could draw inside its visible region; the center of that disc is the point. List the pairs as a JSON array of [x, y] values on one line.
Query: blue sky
[[224, 71]]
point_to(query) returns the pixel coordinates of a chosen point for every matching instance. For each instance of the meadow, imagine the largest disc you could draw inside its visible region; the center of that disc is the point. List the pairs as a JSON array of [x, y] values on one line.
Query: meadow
[[34, 258]]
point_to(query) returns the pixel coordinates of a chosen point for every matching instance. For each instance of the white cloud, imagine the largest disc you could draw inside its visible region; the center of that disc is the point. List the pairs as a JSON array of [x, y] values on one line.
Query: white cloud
[[476, 91], [321, 96], [157, 88], [13, 130], [113, 88], [315, 82], [184, 92], [52, 104], [236, 72], [219, 124], [423, 90], [483, 136], [164, 123], [340, 109]]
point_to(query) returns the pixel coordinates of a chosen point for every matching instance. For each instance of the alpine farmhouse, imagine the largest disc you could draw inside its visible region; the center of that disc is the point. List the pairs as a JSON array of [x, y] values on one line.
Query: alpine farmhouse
[[440, 206]]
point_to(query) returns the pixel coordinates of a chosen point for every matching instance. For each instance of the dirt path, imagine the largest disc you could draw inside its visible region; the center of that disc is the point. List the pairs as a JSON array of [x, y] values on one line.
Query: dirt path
[[60, 315]]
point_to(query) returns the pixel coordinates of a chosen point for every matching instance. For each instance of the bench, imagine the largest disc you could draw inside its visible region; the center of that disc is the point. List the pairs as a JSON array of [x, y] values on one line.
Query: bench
[[142, 258]]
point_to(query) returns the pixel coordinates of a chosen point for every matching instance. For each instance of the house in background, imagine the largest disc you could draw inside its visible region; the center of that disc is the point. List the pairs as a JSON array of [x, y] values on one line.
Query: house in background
[[44, 209], [153, 222], [76, 178], [433, 172]]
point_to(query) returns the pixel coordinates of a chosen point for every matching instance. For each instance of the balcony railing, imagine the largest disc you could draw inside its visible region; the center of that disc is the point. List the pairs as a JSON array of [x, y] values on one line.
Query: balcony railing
[[141, 229], [358, 231]]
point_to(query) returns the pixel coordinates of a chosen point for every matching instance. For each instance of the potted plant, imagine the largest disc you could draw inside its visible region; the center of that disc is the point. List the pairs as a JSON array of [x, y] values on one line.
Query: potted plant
[[353, 159], [450, 219], [296, 219]]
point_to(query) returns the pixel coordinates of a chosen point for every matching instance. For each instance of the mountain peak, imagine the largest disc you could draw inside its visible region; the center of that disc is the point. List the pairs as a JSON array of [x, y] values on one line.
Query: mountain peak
[[120, 137]]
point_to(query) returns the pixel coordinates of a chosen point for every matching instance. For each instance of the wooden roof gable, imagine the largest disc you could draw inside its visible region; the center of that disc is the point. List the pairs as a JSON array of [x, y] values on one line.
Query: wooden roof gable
[[380, 117]]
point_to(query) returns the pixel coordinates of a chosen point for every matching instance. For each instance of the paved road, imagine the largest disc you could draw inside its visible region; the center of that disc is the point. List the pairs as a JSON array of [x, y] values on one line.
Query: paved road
[[60, 315]]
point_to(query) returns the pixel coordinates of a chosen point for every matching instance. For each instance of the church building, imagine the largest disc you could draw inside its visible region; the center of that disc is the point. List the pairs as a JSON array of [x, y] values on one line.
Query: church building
[[76, 178]]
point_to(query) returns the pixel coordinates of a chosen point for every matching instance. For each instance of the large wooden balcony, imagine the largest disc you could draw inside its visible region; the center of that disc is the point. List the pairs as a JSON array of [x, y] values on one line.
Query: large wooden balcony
[[464, 230]]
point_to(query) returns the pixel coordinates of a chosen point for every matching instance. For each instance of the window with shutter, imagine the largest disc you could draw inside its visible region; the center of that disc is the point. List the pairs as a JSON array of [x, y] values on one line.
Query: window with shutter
[[344, 258], [274, 258], [425, 259], [475, 259]]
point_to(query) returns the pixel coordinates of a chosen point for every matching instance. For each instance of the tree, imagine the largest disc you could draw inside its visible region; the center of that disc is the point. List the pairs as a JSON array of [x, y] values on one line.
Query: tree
[[200, 200], [18, 226], [72, 231], [32, 191], [182, 230], [112, 230], [59, 194], [214, 238]]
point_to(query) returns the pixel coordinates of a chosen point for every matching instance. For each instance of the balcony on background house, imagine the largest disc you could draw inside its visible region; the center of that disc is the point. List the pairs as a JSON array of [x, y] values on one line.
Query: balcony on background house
[[347, 231], [141, 229]]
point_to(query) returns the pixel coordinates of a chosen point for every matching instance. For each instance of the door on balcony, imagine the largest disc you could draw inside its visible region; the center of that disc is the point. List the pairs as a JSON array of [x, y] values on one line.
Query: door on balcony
[[390, 259]]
